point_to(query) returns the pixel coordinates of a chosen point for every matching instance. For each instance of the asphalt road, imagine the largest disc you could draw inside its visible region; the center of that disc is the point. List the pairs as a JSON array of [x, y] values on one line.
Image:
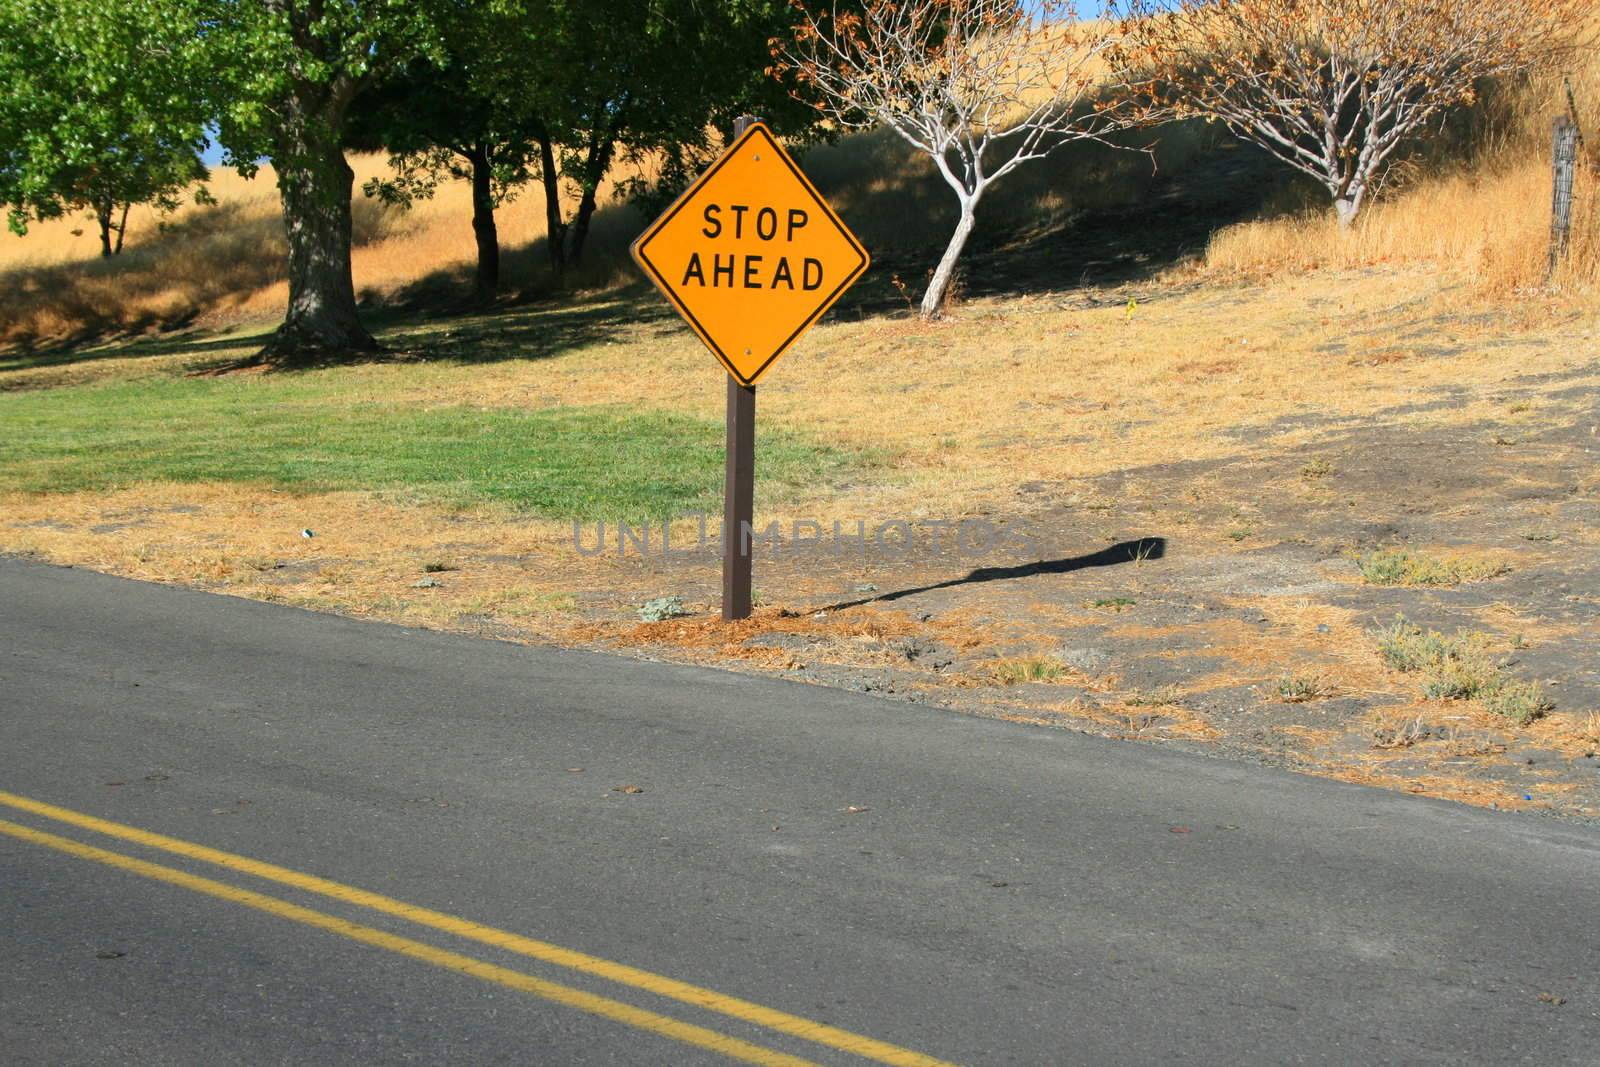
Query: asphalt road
[[1008, 894]]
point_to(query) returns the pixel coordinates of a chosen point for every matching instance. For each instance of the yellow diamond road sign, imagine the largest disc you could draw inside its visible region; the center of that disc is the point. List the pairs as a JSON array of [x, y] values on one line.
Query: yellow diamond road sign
[[751, 255]]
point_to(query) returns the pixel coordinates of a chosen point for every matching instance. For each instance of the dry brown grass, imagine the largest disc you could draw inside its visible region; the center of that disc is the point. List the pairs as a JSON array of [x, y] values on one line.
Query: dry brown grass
[[1494, 222], [1306, 638], [1488, 216], [364, 559], [1140, 720], [1462, 788]]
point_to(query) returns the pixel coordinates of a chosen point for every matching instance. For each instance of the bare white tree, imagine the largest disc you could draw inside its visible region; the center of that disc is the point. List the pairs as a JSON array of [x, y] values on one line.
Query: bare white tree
[[979, 86], [1334, 87]]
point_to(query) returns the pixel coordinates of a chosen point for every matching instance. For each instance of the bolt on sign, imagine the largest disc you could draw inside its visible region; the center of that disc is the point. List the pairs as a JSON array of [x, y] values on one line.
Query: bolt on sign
[[751, 255]]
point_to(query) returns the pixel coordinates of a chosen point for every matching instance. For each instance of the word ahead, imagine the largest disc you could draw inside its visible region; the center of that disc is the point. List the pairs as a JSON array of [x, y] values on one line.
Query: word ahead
[[751, 255]]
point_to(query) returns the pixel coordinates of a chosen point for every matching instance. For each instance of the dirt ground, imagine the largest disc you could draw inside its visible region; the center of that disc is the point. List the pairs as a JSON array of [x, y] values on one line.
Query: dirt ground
[[1180, 598], [1206, 597]]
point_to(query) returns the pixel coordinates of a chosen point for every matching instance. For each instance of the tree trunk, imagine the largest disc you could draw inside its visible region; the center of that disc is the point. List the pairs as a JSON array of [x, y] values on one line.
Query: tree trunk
[[122, 228], [580, 225], [314, 184], [483, 225], [594, 172], [1347, 205], [934, 299], [102, 214], [555, 227]]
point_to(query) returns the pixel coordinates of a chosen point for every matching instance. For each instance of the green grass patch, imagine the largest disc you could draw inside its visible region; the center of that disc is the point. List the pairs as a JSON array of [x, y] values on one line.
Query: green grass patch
[[316, 433], [1390, 566], [1459, 667]]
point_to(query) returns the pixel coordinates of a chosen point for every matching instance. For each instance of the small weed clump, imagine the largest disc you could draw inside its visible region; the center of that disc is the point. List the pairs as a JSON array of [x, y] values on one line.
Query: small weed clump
[[1590, 729], [1404, 735], [1299, 689], [1459, 668], [1392, 566], [1521, 702], [1111, 603], [662, 608], [1164, 697], [1021, 669], [1315, 470], [1465, 675]]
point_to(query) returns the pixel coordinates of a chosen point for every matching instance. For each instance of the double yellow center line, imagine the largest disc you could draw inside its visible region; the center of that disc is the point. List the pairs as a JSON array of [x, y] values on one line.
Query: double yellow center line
[[595, 1004]]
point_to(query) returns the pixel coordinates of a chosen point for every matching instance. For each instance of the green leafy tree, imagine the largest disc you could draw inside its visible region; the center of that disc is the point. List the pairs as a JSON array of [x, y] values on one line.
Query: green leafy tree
[[617, 78], [458, 116], [285, 74], [560, 90], [99, 111]]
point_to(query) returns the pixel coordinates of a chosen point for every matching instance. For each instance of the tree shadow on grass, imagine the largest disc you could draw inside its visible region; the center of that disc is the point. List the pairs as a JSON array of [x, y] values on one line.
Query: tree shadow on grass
[[196, 343], [1137, 551], [535, 330], [1089, 215], [531, 330]]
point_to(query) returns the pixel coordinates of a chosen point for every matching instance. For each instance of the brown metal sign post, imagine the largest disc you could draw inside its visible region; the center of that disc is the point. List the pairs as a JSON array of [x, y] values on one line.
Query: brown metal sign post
[[739, 500], [739, 480], [751, 256]]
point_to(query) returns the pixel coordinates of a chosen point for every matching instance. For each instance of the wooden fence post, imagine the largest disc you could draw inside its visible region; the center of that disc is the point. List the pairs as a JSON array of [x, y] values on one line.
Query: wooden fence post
[[1565, 171]]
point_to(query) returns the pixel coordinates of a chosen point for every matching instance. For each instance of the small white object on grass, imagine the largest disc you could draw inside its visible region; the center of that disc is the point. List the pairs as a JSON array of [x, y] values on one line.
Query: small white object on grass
[[307, 533]]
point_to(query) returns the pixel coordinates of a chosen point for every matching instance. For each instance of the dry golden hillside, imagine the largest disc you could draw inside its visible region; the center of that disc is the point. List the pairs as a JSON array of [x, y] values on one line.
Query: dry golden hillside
[[1477, 203], [214, 266]]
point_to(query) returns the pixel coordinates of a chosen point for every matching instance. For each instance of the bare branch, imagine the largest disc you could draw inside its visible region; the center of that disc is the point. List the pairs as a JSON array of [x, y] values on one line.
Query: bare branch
[[1334, 87], [979, 86]]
